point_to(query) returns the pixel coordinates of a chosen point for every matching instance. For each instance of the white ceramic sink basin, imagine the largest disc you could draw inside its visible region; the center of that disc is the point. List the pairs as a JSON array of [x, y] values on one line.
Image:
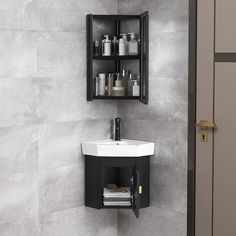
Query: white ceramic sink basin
[[123, 148]]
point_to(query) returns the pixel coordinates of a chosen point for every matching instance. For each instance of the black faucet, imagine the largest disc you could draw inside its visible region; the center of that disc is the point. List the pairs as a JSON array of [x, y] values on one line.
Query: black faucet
[[117, 129]]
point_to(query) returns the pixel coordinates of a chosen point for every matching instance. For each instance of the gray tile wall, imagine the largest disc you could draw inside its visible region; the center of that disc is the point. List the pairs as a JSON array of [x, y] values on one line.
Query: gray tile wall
[[45, 116], [164, 120]]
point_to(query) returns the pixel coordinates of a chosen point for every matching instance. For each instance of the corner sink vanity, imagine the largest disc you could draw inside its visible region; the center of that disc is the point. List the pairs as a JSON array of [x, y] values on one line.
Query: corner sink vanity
[[117, 174]]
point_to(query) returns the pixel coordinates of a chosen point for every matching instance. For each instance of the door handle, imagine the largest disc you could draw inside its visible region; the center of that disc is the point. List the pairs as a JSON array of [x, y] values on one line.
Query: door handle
[[205, 124]]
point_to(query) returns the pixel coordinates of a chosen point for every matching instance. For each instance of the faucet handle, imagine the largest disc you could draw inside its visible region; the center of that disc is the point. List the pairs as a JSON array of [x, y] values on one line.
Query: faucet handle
[[117, 120]]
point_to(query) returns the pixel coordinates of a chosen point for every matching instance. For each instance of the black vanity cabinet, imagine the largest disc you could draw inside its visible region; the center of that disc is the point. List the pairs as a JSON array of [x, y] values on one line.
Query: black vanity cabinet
[[115, 25], [133, 172]]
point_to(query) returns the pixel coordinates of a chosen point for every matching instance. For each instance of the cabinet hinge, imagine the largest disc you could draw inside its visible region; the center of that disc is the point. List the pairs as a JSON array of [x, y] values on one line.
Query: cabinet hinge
[[140, 189]]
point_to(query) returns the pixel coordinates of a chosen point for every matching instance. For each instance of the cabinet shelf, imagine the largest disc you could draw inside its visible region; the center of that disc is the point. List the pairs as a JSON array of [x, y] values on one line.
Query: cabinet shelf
[[116, 97], [128, 57], [116, 17], [118, 207]]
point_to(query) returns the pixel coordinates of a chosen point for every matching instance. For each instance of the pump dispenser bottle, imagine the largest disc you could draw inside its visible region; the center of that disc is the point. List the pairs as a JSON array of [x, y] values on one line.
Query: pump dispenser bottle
[[106, 46]]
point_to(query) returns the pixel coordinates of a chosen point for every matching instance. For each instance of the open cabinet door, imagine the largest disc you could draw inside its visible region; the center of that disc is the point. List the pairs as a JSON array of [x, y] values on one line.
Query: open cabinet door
[[136, 198], [144, 53], [89, 40]]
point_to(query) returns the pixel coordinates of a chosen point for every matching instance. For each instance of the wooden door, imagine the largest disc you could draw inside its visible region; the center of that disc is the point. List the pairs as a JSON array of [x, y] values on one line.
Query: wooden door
[[215, 97]]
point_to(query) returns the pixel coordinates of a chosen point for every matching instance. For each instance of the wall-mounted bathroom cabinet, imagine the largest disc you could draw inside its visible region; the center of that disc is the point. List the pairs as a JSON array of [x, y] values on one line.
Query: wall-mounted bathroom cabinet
[[132, 173], [98, 25]]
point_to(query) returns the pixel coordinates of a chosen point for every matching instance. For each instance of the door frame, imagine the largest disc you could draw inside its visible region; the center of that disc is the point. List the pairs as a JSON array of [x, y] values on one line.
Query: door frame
[[192, 65]]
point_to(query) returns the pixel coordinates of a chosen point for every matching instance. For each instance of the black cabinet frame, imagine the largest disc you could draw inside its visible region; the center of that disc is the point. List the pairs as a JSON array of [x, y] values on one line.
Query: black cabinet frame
[[138, 180], [143, 57]]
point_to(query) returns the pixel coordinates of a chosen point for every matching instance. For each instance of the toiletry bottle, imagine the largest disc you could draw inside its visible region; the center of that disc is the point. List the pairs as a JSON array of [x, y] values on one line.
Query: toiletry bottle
[[138, 39], [118, 89], [132, 45], [118, 82], [121, 47], [110, 84], [136, 88], [96, 86], [115, 46], [96, 48], [106, 46], [102, 83], [125, 78], [124, 36], [130, 85]]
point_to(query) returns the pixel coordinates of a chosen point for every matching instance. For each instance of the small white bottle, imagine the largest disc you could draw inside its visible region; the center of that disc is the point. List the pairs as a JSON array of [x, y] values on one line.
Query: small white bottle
[[135, 88], [125, 37], [102, 83], [96, 86], [122, 47], [132, 45], [106, 46]]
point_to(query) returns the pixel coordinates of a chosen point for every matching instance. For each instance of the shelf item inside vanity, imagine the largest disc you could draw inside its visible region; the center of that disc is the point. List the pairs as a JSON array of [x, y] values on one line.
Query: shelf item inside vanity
[[118, 186]]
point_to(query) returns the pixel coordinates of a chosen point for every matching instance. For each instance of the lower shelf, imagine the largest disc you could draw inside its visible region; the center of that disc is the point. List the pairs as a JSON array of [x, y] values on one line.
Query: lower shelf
[[116, 97], [118, 207]]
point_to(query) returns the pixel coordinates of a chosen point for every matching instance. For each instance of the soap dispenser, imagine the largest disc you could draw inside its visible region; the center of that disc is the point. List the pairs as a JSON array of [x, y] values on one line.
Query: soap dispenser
[[106, 46]]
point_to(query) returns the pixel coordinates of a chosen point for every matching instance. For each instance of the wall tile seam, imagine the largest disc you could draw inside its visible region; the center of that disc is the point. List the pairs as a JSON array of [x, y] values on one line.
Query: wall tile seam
[[44, 170], [177, 167], [163, 207], [29, 173], [151, 78], [43, 31], [36, 218], [10, 174], [127, 119], [22, 125], [170, 209], [75, 121], [53, 123], [42, 215], [170, 31]]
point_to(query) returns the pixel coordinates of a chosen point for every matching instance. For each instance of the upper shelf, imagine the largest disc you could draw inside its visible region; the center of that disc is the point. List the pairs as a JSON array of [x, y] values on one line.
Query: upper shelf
[[116, 17], [128, 57]]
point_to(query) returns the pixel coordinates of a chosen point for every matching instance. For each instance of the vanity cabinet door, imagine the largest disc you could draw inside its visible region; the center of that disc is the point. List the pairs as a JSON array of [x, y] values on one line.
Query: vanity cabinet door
[[144, 53], [143, 167], [136, 198]]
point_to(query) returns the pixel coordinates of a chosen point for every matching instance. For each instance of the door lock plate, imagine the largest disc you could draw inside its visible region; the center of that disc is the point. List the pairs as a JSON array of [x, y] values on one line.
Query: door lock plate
[[203, 136]]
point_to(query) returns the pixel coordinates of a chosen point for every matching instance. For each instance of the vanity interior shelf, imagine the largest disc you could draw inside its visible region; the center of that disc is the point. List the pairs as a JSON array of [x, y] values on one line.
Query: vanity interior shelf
[[109, 27]]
